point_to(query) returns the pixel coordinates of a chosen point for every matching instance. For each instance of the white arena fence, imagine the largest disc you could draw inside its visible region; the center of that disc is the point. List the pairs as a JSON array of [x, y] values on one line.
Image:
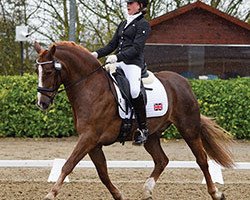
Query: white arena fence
[[56, 165]]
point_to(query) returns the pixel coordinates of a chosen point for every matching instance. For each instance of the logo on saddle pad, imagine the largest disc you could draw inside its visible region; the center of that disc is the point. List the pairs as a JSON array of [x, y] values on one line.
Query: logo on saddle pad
[[158, 106]]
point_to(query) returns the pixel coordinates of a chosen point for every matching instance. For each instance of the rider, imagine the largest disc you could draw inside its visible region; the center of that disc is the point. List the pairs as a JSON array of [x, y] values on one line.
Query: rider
[[128, 42]]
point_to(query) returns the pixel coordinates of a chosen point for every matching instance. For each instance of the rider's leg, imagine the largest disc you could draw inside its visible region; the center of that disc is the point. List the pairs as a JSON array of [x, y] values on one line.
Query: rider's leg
[[133, 74], [140, 113]]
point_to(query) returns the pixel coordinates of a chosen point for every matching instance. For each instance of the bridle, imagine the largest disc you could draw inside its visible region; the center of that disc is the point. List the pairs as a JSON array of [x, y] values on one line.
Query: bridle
[[54, 90]]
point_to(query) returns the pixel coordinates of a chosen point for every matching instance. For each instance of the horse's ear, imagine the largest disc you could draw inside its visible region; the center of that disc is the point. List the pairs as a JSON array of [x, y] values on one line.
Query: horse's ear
[[52, 50], [37, 47]]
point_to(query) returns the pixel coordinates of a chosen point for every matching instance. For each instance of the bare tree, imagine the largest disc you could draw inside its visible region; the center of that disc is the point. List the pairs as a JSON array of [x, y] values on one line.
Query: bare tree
[[102, 16], [13, 13], [96, 21]]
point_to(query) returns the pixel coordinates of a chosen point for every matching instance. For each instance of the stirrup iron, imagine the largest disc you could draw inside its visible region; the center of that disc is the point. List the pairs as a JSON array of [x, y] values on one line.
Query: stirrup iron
[[141, 137]]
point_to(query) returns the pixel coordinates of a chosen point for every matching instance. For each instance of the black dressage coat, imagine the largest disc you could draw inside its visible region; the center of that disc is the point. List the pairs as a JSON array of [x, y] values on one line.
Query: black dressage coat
[[128, 42]]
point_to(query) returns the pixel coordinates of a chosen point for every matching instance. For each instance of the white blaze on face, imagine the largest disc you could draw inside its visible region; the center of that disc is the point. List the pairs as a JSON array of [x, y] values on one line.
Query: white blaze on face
[[40, 83]]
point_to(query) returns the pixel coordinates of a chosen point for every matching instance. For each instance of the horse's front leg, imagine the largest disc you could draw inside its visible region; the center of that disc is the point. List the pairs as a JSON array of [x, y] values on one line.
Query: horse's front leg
[[84, 145], [98, 158]]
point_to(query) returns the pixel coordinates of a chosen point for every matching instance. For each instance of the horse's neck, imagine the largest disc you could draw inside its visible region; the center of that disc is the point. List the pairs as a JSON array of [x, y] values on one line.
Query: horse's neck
[[77, 64], [84, 96], [73, 64], [80, 74]]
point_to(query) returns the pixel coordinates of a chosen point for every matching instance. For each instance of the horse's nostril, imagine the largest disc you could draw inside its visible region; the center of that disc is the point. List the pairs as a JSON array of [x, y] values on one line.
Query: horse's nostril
[[43, 105]]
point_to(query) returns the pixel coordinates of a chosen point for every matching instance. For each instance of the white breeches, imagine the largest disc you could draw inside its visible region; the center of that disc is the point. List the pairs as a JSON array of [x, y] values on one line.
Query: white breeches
[[133, 74]]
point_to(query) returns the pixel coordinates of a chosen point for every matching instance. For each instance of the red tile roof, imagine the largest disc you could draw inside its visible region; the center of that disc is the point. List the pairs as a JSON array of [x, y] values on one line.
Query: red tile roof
[[198, 5]]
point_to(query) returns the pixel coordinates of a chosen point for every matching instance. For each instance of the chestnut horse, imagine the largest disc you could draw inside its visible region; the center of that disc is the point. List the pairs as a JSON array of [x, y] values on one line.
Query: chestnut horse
[[97, 122]]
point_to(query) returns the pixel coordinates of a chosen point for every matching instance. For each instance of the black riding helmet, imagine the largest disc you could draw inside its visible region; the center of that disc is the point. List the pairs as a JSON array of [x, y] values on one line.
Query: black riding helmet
[[143, 2]]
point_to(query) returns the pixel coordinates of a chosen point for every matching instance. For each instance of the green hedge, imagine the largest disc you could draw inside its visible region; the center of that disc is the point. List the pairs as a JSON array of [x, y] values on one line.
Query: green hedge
[[228, 101], [225, 100], [20, 117]]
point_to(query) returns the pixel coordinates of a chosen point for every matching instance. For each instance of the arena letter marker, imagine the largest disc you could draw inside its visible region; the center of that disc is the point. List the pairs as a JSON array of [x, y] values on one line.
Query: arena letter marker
[[56, 170], [215, 171]]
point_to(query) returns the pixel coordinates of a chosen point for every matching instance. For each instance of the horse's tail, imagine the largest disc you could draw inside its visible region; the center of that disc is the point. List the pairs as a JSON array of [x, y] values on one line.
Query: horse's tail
[[215, 141]]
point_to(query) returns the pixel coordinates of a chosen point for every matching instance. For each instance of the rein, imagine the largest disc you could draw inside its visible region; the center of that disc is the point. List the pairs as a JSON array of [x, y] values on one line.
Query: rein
[[80, 80]]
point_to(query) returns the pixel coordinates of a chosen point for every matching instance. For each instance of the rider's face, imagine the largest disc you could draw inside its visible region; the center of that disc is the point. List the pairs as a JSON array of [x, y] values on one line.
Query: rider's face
[[133, 7]]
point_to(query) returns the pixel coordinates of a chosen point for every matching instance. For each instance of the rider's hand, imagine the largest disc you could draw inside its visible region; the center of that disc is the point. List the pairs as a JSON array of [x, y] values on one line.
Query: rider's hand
[[95, 54], [107, 67], [111, 59], [110, 67]]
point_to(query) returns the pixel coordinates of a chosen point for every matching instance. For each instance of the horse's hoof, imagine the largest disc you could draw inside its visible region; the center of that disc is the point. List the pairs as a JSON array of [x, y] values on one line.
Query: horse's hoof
[[223, 197], [149, 198], [219, 196], [49, 196], [147, 195]]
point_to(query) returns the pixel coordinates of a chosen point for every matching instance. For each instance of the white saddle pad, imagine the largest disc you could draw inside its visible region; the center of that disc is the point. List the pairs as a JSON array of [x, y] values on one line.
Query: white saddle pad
[[157, 101]]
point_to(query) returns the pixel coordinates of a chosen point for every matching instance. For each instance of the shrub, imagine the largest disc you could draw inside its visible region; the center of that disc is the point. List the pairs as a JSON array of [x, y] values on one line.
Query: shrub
[[20, 117], [225, 100], [228, 102]]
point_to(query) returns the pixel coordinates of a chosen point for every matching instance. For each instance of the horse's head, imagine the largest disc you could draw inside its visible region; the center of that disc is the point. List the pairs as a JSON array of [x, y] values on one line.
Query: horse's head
[[49, 75]]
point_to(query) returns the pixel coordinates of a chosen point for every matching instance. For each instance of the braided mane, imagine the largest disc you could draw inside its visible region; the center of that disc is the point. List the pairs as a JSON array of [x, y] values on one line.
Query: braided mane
[[70, 44]]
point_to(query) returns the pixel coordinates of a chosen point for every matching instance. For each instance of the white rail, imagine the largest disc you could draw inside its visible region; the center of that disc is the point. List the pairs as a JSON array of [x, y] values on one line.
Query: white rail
[[111, 164], [56, 165]]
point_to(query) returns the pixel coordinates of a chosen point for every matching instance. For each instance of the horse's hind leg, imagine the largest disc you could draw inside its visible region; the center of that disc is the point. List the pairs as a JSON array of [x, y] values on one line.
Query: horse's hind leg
[[98, 158], [153, 147], [84, 145], [191, 133]]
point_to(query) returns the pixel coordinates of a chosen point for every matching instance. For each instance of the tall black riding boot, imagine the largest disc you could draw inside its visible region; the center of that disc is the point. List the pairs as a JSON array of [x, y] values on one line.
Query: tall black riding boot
[[140, 114]]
